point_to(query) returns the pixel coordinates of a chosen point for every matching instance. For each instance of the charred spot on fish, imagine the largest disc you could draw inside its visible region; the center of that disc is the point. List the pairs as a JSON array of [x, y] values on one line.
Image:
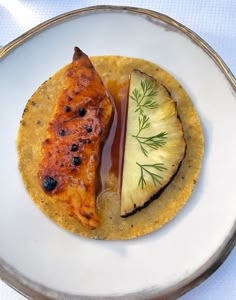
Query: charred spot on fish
[[38, 122], [62, 132], [69, 98], [77, 53], [87, 216], [67, 108], [88, 129], [76, 92], [90, 66], [33, 103], [84, 76], [47, 141], [49, 183], [81, 111], [73, 147], [84, 141], [81, 140], [76, 161]]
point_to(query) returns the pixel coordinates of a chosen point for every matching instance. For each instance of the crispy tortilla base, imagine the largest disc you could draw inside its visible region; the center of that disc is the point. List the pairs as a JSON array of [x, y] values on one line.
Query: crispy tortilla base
[[32, 132]]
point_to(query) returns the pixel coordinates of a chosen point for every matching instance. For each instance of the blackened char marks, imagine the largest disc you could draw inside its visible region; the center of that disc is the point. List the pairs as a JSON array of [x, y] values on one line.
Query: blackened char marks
[[77, 53]]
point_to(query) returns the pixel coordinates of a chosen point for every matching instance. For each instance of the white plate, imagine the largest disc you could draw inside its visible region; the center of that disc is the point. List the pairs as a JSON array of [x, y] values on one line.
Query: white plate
[[39, 258]]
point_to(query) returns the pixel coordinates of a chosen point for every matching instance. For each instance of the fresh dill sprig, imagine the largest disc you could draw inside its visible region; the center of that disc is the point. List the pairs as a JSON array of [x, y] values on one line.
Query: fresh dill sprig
[[154, 142], [143, 123], [144, 99], [156, 178]]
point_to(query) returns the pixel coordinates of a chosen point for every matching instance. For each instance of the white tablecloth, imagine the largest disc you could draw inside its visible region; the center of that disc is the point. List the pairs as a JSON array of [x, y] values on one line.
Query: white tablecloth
[[213, 20]]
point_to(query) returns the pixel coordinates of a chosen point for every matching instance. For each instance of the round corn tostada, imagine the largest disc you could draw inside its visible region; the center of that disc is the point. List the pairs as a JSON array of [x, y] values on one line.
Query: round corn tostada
[[115, 72]]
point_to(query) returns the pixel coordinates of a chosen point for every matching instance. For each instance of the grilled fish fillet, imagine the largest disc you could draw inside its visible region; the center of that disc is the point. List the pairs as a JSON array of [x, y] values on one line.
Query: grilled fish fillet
[[71, 151]]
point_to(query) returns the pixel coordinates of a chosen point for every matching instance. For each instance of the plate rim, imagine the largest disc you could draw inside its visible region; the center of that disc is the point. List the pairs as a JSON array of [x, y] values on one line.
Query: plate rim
[[17, 281], [5, 50]]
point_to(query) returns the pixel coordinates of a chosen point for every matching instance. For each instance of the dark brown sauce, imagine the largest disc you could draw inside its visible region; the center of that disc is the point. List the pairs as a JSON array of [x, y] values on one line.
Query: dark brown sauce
[[113, 149]]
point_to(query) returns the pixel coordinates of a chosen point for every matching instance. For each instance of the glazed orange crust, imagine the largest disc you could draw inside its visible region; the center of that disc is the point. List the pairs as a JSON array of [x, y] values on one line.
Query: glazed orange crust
[[71, 151]]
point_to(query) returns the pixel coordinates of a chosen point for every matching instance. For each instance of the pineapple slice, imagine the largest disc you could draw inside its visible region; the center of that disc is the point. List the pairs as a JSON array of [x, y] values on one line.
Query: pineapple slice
[[154, 146]]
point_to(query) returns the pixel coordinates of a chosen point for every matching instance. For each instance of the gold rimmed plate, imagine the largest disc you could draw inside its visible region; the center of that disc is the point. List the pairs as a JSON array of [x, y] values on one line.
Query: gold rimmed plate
[[43, 261]]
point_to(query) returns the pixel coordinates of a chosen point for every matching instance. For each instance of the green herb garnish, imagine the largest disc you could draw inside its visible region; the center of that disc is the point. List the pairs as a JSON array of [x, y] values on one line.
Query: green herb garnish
[[154, 141], [146, 169], [144, 99]]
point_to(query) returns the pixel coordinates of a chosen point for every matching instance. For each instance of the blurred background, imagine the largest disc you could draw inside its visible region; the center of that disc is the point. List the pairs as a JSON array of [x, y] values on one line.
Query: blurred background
[[212, 20]]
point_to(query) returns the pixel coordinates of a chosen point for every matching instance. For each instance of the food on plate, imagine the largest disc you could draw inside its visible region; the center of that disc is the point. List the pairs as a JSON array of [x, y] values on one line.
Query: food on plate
[[71, 150], [165, 134], [154, 144]]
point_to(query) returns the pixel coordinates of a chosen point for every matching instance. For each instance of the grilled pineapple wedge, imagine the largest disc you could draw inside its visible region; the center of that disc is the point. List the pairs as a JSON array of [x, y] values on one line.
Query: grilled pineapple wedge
[[154, 146]]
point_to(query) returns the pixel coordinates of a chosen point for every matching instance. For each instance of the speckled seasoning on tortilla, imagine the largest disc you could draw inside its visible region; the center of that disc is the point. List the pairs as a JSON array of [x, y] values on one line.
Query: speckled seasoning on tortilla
[[115, 72]]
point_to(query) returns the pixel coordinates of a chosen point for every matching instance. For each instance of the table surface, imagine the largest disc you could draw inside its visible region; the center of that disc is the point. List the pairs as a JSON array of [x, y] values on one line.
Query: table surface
[[212, 20]]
